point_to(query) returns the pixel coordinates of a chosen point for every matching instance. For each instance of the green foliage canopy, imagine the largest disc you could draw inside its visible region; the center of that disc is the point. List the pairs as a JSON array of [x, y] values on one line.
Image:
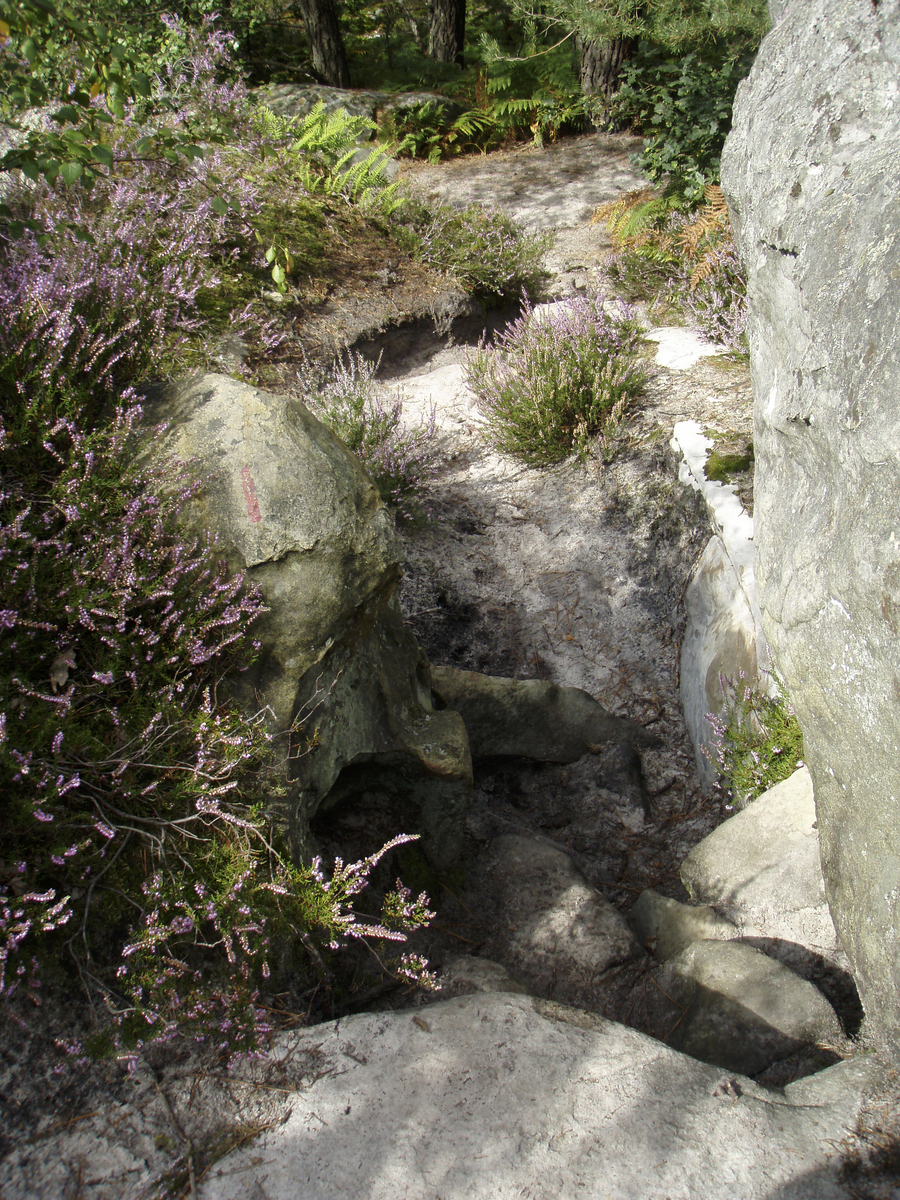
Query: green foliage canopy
[[51, 57], [675, 24]]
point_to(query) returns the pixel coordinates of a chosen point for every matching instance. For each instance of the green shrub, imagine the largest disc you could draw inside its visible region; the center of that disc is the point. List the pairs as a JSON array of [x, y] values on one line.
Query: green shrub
[[683, 106], [758, 742], [486, 251], [550, 384]]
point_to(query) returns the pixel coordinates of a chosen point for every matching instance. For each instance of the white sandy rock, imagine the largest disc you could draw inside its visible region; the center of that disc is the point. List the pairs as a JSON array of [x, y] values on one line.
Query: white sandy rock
[[761, 869], [497, 1097]]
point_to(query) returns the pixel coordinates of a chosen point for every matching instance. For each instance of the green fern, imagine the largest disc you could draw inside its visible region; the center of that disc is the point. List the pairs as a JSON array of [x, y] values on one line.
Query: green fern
[[423, 131], [639, 222], [325, 147], [324, 156]]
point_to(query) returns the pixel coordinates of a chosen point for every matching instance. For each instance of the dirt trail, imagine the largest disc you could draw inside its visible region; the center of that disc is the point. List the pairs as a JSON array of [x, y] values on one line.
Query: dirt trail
[[574, 574]]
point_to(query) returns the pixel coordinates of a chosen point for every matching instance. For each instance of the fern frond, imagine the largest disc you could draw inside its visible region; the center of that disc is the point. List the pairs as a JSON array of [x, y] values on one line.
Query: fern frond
[[637, 222], [623, 204], [707, 234], [326, 136], [703, 270], [513, 107]]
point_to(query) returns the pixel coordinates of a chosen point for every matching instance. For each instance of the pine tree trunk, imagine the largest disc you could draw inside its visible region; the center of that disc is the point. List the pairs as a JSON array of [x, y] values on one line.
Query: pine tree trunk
[[601, 65], [326, 45], [446, 30]]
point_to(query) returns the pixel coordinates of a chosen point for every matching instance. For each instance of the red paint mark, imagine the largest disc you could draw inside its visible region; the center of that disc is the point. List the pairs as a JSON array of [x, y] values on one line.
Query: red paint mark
[[250, 496]]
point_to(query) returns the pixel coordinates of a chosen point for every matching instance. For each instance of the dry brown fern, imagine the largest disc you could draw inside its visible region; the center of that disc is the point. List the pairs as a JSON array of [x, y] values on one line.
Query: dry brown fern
[[630, 222], [615, 208], [709, 233]]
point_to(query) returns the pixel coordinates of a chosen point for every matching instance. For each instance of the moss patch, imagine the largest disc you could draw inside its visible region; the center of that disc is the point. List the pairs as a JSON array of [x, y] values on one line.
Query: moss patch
[[720, 467]]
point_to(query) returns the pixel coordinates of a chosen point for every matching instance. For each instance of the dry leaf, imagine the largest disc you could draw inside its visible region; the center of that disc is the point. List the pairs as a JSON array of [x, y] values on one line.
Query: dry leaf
[[60, 667]]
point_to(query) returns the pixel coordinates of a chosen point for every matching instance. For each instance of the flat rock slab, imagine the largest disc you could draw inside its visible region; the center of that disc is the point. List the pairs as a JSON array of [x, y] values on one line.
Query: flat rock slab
[[680, 348], [502, 1097], [530, 718]]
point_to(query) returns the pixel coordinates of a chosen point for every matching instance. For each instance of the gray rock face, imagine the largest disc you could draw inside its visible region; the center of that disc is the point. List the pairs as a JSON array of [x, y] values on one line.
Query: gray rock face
[[492, 1097], [293, 100], [724, 636], [297, 511], [810, 170]]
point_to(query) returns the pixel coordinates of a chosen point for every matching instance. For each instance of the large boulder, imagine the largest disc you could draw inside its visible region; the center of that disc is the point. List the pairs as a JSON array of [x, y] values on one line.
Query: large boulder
[[810, 170], [343, 681], [295, 101], [484, 1097]]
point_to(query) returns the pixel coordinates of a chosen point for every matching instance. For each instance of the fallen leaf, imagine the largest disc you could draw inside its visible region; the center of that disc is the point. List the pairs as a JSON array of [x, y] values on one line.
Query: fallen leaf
[[60, 667]]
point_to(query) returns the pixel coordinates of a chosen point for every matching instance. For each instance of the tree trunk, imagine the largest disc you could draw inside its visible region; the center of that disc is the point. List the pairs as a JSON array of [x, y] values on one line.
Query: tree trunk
[[601, 65], [326, 45], [446, 30]]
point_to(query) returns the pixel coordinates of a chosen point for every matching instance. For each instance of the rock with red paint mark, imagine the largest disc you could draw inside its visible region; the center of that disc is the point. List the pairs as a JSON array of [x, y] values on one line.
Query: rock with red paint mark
[[296, 510]]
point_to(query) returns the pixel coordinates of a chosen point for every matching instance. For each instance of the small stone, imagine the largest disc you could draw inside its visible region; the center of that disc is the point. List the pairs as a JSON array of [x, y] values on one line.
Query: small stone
[[672, 927]]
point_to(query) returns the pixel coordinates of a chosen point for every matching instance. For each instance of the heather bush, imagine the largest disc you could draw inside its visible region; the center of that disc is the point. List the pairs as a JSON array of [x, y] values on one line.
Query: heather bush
[[716, 304], [758, 742], [485, 250], [141, 843], [402, 461], [551, 382]]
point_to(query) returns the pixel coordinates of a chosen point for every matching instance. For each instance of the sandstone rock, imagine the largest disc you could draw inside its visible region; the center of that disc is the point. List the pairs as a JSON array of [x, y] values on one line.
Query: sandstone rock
[[742, 1009], [761, 869], [666, 927], [724, 634], [296, 510], [554, 931], [810, 171], [529, 718], [370, 706], [297, 100], [464, 973], [491, 1097]]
